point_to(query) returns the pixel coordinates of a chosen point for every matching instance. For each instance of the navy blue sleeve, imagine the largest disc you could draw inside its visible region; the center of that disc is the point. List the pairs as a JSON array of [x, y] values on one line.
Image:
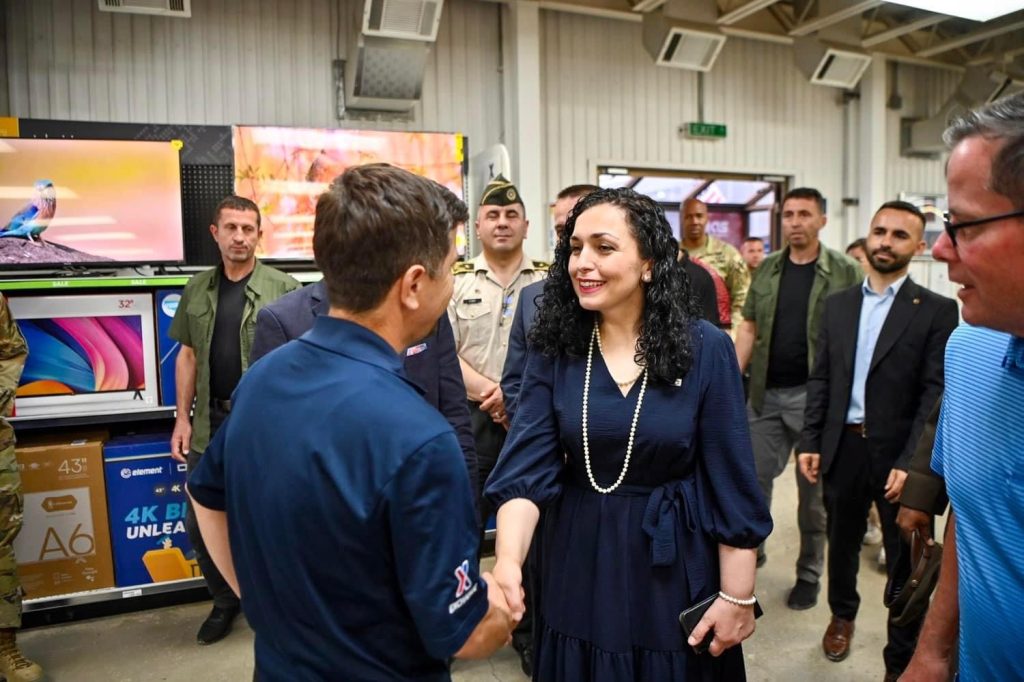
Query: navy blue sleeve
[[515, 359], [531, 460], [451, 398], [727, 484], [269, 334], [206, 482], [435, 537]]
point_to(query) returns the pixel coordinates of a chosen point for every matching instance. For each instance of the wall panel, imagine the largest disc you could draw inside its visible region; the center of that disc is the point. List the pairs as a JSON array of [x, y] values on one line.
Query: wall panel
[[923, 91], [262, 62], [605, 100]]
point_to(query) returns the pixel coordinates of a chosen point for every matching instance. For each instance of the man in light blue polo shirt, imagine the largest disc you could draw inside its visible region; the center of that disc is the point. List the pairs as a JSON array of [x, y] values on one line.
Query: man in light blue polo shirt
[[341, 511], [979, 444]]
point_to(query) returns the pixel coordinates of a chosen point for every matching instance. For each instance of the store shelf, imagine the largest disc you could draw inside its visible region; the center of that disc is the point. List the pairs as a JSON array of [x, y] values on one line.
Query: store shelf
[[121, 417], [59, 283], [112, 593]]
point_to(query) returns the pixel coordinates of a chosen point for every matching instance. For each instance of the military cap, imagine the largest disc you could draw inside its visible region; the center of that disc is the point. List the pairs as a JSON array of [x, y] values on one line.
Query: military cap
[[500, 192]]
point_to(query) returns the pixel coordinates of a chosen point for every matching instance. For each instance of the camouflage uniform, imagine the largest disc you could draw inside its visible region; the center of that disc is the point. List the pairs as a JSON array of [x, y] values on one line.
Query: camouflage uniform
[[13, 351], [730, 266]]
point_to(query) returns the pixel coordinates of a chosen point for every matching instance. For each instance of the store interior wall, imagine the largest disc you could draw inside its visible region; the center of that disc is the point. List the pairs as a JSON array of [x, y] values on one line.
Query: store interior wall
[[601, 97]]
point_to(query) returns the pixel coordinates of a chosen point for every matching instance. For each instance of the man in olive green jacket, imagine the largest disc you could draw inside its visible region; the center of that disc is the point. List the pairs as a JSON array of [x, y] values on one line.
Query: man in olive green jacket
[[215, 323], [776, 343]]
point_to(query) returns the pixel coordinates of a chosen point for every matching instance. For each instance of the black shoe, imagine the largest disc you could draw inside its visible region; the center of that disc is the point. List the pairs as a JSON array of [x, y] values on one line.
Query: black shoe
[[526, 660], [804, 595], [217, 625]]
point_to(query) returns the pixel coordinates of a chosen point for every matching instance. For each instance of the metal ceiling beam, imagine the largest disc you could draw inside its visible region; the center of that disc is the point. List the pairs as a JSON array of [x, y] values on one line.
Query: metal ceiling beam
[[843, 12], [744, 11], [904, 29], [646, 5], [994, 29], [996, 56]]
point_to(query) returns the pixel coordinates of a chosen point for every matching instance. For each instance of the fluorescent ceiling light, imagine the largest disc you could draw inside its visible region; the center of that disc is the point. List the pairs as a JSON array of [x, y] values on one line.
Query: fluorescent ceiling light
[[976, 11]]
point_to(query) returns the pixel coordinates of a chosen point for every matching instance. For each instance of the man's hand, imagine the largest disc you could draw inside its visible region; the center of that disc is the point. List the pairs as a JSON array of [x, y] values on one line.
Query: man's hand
[[493, 403], [894, 485], [910, 520], [732, 624], [809, 463], [180, 439]]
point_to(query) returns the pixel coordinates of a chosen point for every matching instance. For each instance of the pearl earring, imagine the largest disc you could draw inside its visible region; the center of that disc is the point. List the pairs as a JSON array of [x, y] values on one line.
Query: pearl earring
[[646, 277]]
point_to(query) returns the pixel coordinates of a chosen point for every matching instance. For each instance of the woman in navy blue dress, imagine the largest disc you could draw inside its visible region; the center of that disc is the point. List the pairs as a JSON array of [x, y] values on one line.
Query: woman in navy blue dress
[[631, 434]]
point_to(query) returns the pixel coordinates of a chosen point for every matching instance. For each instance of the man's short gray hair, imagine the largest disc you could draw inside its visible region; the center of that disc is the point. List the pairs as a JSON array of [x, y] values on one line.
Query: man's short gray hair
[[1000, 120]]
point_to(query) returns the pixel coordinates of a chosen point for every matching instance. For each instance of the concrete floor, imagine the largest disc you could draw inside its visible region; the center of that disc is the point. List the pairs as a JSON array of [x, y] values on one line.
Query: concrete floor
[[160, 644]]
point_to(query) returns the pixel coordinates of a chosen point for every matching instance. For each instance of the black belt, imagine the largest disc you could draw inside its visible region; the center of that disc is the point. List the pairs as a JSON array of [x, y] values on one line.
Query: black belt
[[858, 429], [222, 405]]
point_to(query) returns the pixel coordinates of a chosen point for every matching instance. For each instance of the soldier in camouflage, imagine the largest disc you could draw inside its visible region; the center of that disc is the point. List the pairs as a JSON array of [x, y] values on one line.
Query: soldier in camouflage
[[13, 351]]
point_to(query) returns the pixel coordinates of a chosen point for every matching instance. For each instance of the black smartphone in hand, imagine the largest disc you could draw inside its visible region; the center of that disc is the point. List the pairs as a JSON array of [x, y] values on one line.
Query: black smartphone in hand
[[689, 618]]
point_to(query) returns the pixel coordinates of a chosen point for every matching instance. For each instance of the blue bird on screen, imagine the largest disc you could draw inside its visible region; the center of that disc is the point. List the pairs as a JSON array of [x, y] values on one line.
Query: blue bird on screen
[[30, 221]]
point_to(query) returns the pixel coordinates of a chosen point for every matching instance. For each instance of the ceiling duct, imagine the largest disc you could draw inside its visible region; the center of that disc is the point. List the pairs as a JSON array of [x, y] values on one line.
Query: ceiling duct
[[404, 19], [978, 86], [833, 56], [388, 59], [684, 35], [164, 8], [385, 74]]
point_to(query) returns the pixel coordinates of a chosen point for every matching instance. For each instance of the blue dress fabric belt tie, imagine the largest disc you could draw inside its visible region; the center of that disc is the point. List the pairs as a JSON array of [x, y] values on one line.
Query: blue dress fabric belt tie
[[671, 507]]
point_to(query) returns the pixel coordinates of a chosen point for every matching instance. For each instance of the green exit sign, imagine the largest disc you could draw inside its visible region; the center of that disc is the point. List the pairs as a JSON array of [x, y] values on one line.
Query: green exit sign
[[712, 130]]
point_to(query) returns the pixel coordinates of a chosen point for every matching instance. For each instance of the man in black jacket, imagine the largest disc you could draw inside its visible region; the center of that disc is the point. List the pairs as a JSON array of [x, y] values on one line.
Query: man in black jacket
[[876, 377]]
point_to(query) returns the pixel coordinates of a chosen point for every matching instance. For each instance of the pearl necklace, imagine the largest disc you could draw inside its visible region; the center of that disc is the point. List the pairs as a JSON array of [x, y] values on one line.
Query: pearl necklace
[[620, 384], [596, 337]]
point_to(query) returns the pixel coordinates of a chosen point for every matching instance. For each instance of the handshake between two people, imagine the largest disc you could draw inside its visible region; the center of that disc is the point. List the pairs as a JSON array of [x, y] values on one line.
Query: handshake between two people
[[495, 629]]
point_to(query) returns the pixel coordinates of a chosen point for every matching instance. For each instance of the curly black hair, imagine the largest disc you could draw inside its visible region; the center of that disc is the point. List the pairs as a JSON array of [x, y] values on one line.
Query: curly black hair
[[665, 345]]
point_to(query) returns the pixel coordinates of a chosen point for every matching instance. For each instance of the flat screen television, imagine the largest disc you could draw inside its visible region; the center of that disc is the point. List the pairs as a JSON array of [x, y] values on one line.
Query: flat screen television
[[87, 354], [284, 170], [69, 202]]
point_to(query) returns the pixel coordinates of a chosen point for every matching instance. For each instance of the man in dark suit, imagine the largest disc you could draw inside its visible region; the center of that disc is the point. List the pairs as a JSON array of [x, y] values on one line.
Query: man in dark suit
[[431, 364], [877, 375]]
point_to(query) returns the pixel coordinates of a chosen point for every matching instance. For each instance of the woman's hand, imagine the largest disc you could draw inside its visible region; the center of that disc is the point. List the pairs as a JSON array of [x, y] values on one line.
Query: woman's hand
[[509, 576], [732, 624]]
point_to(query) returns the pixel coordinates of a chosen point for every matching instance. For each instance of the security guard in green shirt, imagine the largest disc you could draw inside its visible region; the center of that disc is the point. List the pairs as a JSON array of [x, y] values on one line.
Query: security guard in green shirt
[[215, 323], [14, 667], [776, 342]]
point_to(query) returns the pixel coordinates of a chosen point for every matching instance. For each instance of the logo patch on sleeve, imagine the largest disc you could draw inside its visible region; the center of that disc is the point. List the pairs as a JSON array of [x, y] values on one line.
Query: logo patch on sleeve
[[464, 588]]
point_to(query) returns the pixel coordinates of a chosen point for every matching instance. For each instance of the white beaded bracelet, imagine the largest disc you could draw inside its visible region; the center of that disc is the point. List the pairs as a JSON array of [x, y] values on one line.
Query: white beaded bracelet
[[738, 602]]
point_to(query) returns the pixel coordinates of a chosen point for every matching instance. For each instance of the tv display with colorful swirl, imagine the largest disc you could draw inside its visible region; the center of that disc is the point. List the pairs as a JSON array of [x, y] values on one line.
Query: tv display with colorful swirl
[[74, 355], [87, 354]]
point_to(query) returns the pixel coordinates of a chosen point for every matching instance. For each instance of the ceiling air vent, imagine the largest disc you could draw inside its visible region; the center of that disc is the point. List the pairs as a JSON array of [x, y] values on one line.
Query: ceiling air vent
[[681, 44], [164, 8], [406, 19], [825, 64]]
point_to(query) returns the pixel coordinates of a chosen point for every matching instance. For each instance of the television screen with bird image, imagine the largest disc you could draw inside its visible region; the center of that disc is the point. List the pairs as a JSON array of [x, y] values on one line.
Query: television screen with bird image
[[71, 202], [90, 354], [285, 170]]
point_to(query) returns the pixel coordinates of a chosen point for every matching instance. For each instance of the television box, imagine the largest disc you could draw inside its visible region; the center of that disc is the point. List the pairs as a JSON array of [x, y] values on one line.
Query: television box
[[64, 543], [87, 354], [146, 501], [89, 202], [166, 347]]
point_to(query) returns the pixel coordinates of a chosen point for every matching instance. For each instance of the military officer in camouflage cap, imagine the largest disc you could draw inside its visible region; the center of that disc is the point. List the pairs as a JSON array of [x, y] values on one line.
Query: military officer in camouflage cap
[[13, 350], [481, 311]]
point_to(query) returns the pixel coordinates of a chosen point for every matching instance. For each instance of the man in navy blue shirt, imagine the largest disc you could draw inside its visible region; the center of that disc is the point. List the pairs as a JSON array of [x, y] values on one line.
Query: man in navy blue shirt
[[431, 363], [347, 504]]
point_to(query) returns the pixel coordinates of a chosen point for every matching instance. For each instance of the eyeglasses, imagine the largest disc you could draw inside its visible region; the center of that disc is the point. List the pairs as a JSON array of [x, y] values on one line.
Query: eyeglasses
[[952, 228]]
